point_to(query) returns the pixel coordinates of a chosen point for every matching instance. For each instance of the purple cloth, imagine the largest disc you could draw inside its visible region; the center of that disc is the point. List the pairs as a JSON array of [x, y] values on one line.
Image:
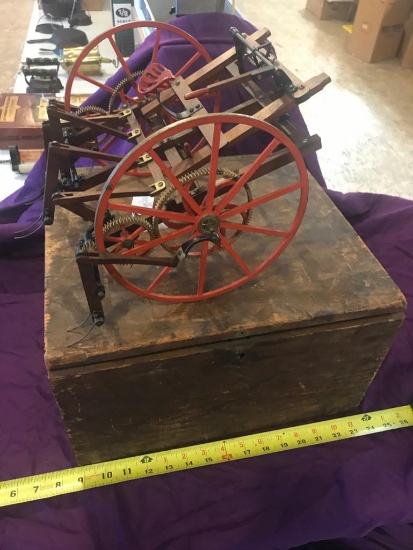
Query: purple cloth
[[345, 489]]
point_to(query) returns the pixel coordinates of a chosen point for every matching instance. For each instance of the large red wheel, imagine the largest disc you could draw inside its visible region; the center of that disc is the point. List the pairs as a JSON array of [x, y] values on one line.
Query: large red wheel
[[109, 48], [254, 217]]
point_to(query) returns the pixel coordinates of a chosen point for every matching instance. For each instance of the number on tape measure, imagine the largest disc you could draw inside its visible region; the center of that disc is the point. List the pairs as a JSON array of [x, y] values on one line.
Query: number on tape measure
[[107, 473]]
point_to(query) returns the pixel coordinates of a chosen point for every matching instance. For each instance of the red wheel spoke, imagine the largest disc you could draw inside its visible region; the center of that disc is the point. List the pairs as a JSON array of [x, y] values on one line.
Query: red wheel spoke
[[226, 244], [156, 46], [137, 232], [139, 173], [118, 249], [175, 181], [100, 162], [261, 200], [247, 175], [108, 143], [158, 279], [201, 143], [254, 229], [125, 98], [202, 267], [231, 201], [122, 62], [188, 64], [145, 211], [158, 241], [230, 206], [119, 55], [217, 102], [96, 83], [209, 202]]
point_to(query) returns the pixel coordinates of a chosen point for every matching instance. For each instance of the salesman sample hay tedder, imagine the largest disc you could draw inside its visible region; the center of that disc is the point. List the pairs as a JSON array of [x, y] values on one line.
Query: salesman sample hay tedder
[[147, 168]]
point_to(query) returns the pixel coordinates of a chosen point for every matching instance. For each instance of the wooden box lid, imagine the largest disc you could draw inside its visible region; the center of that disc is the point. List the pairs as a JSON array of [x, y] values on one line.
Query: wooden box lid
[[326, 275]]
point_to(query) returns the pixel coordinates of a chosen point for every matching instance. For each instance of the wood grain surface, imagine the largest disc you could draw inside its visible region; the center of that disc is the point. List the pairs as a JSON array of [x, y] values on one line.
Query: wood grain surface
[[299, 343], [325, 275]]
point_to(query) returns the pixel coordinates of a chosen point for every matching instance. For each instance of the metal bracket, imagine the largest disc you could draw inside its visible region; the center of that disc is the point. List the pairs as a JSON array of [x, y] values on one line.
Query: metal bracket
[[144, 159], [158, 186], [125, 113], [186, 247], [134, 133], [282, 82]]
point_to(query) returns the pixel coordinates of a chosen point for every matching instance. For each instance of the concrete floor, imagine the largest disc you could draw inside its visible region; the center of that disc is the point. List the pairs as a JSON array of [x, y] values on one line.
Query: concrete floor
[[365, 117], [15, 18]]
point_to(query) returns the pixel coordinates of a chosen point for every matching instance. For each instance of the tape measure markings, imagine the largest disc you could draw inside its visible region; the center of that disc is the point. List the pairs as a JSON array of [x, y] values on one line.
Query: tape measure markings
[[72, 480]]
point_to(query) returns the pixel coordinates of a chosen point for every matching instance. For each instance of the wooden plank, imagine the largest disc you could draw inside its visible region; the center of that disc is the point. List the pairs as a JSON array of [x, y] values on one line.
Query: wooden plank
[[222, 390]]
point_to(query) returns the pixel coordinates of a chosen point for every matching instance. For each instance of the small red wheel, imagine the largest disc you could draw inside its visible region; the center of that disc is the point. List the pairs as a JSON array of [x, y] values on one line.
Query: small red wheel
[[108, 47], [253, 227]]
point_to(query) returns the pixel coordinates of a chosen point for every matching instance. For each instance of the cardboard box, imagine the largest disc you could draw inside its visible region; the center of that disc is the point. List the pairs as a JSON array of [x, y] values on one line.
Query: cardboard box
[[406, 47], [92, 5], [378, 29], [407, 55], [406, 51], [330, 9]]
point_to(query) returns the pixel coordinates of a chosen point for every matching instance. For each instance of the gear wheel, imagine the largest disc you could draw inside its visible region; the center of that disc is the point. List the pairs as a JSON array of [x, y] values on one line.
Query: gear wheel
[[87, 246], [90, 110], [163, 198], [119, 86], [120, 233]]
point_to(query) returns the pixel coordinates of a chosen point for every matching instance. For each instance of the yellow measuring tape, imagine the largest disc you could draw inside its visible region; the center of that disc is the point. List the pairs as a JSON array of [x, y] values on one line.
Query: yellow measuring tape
[[115, 471]]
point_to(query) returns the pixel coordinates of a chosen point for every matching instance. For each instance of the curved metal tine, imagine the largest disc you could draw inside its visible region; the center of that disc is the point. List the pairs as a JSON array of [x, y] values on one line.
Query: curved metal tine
[[37, 198], [30, 226], [31, 233], [81, 324], [32, 201], [83, 337]]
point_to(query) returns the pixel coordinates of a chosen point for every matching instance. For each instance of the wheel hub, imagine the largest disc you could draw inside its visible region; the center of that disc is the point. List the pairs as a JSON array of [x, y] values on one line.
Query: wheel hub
[[128, 243], [208, 224]]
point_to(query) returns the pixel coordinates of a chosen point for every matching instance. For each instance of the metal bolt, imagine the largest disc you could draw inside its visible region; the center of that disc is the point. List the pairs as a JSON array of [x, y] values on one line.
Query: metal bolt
[[191, 110], [177, 83]]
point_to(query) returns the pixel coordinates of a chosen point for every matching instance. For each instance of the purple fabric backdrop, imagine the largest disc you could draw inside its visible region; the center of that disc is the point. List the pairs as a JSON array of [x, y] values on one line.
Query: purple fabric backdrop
[[345, 489]]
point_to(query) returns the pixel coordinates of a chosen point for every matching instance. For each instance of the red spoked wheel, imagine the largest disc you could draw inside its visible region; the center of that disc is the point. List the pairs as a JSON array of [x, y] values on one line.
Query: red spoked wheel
[[126, 89], [253, 217], [106, 42]]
